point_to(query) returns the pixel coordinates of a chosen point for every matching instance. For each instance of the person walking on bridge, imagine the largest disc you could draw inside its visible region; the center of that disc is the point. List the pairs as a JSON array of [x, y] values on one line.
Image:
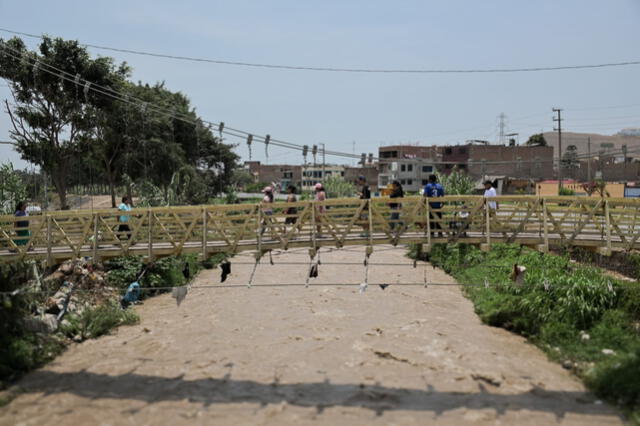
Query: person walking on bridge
[[123, 228], [433, 189], [364, 194], [490, 192], [291, 212]]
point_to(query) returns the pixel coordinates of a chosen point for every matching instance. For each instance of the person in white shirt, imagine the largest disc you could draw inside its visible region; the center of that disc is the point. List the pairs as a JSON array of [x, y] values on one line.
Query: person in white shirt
[[490, 191]]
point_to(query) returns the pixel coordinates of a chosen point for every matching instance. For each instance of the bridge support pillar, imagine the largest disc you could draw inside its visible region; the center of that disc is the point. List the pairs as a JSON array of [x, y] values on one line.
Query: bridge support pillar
[[425, 248], [485, 247]]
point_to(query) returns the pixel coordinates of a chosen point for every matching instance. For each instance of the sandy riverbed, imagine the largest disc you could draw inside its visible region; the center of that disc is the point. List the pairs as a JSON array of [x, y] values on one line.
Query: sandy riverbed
[[322, 355]]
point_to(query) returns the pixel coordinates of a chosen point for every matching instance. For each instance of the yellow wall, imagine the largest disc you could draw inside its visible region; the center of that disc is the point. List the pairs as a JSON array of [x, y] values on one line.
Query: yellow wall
[[615, 190]]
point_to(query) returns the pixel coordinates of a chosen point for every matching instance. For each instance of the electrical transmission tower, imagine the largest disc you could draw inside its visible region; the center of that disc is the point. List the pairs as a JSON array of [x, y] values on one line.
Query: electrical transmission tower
[[502, 117]]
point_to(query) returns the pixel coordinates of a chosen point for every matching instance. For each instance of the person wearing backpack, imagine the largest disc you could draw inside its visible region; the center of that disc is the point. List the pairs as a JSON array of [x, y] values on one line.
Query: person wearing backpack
[[433, 189]]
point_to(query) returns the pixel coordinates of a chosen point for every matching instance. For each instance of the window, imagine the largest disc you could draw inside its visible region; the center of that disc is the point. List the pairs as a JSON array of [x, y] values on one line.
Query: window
[[341, 173], [427, 169], [462, 150], [403, 182], [409, 167], [425, 181], [403, 167], [448, 151], [462, 166], [388, 154], [409, 181], [288, 175]]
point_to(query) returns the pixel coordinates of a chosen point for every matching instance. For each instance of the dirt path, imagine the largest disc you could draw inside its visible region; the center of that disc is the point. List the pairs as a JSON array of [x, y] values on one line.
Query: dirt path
[[290, 355]]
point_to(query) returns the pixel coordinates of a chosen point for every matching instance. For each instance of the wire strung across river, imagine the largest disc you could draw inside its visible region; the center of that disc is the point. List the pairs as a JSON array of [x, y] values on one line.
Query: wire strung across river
[[267, 285]]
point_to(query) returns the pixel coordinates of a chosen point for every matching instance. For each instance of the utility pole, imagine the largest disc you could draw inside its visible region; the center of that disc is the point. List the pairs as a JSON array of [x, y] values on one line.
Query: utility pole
[[502, 118], [589, 159], [558, 119]]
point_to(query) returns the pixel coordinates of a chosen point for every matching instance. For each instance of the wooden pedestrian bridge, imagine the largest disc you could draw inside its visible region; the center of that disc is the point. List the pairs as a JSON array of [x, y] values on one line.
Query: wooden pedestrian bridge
[[604, 224]]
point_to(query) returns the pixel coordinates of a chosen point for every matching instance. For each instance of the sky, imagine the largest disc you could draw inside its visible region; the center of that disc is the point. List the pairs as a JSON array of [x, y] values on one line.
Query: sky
[[366, 110]]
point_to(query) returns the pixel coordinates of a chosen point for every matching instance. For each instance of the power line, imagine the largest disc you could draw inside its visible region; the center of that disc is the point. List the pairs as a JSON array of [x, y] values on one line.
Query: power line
[[342, 69], [241, 134]]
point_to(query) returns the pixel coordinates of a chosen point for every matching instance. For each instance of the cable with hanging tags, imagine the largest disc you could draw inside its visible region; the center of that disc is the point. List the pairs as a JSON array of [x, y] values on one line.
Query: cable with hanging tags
[[87, 85], [76, 81], [36, 67], [253, 272], [249, 140], [305, 151], [266, 146], [426, 282], [314, 152], [220, 129]]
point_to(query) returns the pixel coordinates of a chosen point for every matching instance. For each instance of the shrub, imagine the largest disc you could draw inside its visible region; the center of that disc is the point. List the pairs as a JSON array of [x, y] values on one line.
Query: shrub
[[96, 321], [580, 313]]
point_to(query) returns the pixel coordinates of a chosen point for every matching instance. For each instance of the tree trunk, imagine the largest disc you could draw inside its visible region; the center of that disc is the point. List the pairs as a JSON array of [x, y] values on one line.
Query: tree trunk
[[112, 185], [58, 177]]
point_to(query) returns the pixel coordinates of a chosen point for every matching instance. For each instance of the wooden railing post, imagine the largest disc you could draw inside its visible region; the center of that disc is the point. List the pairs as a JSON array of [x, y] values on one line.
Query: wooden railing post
[[149, 234], [428, 217], [487, 246], [544, 224], [607, 214], [313, 224], [204, 232], [95, 237], [259, 232], [49, 243]]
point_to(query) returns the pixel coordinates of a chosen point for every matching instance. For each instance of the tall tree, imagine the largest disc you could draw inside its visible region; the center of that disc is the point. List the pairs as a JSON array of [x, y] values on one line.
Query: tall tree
[[570, 159], [51, 116], [536, 140]]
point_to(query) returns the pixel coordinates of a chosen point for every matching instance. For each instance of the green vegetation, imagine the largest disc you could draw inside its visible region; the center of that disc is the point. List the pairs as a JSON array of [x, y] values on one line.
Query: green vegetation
[[20, 349], [576, 314], [97, 321], [12, 189], [337, 187], [536, 140], [56, 120], [165, 272], [566, 191], [457, 182]]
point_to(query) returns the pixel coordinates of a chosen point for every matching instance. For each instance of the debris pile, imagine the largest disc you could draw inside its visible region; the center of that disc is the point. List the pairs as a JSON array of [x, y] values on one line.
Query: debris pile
[[74, 286]]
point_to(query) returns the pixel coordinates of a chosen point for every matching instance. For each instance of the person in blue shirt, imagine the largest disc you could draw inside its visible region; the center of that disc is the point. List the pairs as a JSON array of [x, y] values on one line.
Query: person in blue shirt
[[123, 228], [433, 189]]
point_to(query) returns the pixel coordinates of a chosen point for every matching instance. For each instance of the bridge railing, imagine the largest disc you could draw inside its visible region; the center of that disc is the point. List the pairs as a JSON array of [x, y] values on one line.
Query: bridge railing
[[599, 222]]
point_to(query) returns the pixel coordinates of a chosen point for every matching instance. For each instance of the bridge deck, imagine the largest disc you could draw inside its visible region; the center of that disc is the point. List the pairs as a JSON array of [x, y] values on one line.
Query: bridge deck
[[152, 232]]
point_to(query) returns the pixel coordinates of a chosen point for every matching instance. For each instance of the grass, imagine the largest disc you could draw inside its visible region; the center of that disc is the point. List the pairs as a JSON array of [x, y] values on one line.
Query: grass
[[97, 321], [578, 314]]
